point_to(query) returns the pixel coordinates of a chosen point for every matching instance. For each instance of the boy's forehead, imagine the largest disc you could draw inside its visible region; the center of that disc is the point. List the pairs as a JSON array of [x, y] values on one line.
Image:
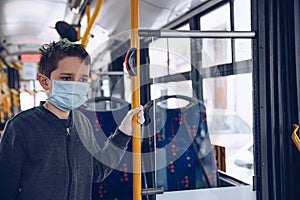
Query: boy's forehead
[[72, 64]]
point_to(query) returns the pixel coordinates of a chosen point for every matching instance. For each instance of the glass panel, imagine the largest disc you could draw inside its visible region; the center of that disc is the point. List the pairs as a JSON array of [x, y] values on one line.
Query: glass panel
[[158, 53], [179, 55], [170, 55], [185, 27], [242, 15], [216, 51], [184, 157], [243, 49], [242, 22], [218, 19], [172, 88], [229, 103]]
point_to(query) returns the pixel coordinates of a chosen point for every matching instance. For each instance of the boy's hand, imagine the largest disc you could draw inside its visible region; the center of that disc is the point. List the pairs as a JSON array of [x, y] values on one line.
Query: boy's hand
[[126, 124]]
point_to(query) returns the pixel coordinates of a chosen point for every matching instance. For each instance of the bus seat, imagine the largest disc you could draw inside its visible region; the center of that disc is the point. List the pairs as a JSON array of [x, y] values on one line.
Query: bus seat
[[106, 114], [185, 157]]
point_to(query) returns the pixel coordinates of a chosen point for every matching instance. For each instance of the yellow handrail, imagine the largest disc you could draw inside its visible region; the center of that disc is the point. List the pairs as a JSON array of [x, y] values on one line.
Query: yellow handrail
[[88, 13], [85, 38], [78, 32], [295, 137], [1, 95], [135, 84]]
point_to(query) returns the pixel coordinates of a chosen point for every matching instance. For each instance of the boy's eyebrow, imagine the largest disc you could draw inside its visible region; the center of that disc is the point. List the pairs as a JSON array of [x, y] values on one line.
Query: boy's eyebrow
[[64, 73], [71, 74]]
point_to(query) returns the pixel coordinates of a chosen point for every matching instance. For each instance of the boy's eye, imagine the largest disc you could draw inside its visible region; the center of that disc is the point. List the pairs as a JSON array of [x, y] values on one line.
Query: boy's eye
[[84, 80], [67, 78]]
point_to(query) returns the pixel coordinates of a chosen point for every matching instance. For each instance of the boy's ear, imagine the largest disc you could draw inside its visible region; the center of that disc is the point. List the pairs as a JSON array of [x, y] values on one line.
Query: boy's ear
[[43, 81]]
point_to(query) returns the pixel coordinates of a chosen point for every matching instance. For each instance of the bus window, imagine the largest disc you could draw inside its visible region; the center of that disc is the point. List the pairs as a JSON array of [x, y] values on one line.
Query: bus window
[[31, 94], [170, 56], [229, 117], [172, 88], [216, 51]]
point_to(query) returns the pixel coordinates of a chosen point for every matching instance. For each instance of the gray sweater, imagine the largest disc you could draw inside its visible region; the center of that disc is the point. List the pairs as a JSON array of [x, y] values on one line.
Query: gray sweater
[[41, 159]]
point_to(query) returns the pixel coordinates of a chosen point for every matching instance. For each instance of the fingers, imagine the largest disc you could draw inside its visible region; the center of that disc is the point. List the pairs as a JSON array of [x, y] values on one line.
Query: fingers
[[136, 110], [126, 124], [141, 118], [140, 112]]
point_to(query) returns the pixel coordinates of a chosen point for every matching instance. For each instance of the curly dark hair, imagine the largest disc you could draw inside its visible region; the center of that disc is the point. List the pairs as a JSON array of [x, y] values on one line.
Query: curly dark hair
[[53, 52]]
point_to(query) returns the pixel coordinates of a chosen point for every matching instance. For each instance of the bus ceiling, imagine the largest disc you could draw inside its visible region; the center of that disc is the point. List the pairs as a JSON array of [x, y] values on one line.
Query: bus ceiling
[[31, 23]]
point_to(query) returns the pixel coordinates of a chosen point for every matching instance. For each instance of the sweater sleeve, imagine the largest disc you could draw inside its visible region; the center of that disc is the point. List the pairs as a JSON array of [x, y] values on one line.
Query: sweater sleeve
[[104, 159], [110, 156], [12, 153]]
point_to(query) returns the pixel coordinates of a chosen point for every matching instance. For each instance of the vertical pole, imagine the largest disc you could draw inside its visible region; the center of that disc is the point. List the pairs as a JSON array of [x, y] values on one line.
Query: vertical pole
[[135, 84], [1, 96], [91, 21]]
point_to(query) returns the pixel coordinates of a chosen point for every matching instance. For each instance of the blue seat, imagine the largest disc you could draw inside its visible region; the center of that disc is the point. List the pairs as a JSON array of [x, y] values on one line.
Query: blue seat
[[105, 114], [185, 156]]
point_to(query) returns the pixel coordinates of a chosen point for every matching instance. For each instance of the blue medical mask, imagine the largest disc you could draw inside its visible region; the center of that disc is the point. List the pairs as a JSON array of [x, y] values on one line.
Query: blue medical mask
[[68, 95]]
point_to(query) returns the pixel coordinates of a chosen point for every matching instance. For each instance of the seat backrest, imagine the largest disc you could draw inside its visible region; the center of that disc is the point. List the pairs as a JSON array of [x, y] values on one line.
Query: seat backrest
[[182, 134], [106, 115], [185, 157]]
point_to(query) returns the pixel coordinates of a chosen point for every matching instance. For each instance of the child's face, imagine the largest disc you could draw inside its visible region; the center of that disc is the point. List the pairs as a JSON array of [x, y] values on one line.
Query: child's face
[[71, 69]]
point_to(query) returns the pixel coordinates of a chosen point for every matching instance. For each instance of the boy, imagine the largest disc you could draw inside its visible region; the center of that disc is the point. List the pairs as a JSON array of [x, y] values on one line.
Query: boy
[[48, 152]]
